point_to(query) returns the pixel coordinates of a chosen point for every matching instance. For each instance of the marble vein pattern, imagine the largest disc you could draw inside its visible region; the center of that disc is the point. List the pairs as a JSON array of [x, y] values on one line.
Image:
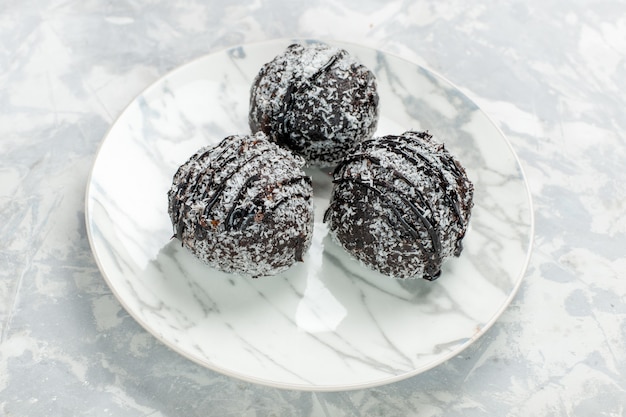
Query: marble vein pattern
[[327, 323], [551, 74]]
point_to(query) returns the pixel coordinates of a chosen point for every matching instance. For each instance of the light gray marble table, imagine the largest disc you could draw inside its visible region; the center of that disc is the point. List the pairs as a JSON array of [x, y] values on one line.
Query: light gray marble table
[[551, 74]]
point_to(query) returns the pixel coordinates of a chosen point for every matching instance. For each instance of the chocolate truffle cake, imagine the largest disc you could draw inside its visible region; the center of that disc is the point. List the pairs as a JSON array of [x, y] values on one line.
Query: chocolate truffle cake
[[243, 206], [315, 100], [401, 205]]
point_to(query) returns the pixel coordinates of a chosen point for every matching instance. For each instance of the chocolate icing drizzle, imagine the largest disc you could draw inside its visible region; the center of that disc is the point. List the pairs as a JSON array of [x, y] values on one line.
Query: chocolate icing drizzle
[[238, 217], [396, 144], [281, 127]]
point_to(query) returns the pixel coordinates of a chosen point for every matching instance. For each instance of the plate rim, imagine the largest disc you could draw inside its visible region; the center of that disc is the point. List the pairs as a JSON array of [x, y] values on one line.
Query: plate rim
[[304, 387]]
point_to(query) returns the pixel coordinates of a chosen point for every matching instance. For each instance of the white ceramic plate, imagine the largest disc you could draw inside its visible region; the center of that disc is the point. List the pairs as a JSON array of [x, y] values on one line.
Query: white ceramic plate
[[327, 323]]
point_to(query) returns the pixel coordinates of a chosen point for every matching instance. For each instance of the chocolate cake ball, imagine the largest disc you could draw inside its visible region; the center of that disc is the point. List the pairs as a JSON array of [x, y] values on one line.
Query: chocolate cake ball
[[315, 100], [401, 205], [243, 206]]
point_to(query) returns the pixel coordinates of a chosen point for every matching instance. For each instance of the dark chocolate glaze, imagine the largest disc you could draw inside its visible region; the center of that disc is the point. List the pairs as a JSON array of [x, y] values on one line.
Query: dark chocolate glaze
[[281, 126]]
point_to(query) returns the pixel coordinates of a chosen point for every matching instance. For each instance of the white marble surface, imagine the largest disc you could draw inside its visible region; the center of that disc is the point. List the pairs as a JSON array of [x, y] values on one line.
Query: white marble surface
[[550, 74]]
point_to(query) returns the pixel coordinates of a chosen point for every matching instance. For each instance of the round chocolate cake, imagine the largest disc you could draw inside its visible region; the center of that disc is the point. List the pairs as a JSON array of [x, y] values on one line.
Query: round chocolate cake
[[401, 205], [315, 100], [243, 206]]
